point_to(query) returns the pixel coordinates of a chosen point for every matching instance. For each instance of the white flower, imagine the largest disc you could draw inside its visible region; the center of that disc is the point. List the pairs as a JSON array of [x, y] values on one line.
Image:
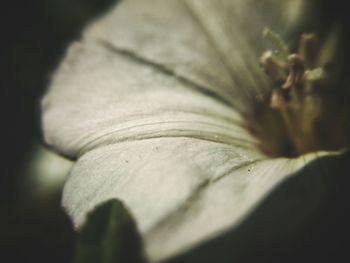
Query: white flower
[[150, 104]]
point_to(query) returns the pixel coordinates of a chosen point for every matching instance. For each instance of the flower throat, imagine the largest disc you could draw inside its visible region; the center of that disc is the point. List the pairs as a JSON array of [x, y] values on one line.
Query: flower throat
[[303, 111]]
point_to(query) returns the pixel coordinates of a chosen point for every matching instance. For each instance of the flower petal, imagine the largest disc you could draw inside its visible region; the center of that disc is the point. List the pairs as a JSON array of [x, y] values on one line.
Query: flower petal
[[101, 97], [164, 33], [215, 44], [184, 191], [235, 29], [161, 68]]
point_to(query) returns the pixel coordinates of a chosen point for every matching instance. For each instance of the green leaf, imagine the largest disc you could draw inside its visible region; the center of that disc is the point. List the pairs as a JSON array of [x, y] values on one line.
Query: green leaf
[[109, 236]]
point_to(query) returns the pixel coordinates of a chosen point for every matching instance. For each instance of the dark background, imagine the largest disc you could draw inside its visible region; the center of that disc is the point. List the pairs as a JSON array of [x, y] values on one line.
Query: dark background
[[33, 37]]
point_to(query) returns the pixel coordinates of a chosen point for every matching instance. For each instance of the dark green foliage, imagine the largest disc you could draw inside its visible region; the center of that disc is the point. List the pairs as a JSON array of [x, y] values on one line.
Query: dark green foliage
[[109, 236]]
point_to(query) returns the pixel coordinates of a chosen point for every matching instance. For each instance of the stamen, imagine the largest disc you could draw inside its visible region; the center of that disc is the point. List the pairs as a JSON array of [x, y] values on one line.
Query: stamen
[[308, 49], [296, 103], [273, 68], [279, 48], [296, 72]]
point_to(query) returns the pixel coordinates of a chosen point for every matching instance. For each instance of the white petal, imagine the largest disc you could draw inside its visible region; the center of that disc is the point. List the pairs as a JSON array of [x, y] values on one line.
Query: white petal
[[101, 97], [164, 33], [161, 68], [184, 191], [147, 73], [215, 44]]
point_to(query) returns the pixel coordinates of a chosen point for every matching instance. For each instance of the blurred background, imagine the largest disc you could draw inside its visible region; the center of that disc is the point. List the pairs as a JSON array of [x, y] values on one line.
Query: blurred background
[[34, 35]]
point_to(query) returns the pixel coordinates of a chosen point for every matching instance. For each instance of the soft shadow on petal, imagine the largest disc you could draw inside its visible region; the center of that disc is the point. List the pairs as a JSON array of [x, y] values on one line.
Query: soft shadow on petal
[[300, 220], [180, 191], [100, 97]]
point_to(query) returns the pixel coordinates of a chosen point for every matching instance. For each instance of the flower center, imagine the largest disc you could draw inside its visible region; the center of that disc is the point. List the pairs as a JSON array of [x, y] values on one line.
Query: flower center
[[303, 112]]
